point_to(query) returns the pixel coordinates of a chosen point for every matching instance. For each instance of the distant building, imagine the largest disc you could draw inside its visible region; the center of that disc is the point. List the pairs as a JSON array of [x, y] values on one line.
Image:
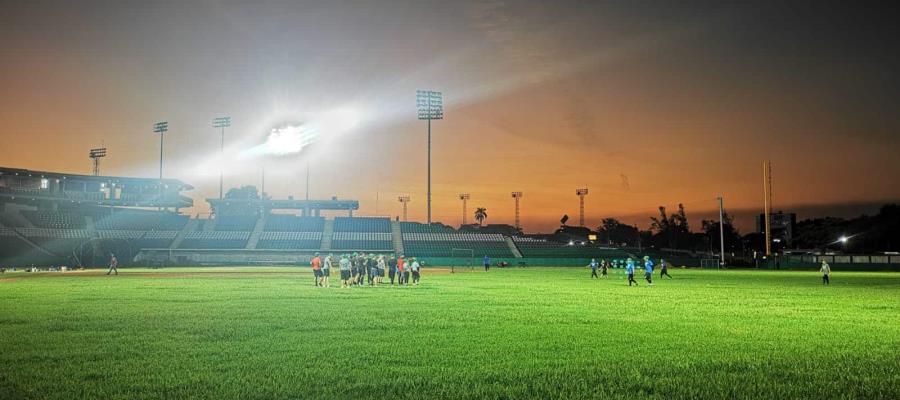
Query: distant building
[[783, 227]]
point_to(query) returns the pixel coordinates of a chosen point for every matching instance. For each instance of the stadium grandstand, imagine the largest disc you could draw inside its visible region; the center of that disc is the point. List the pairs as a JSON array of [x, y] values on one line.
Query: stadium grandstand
[[49, 218]]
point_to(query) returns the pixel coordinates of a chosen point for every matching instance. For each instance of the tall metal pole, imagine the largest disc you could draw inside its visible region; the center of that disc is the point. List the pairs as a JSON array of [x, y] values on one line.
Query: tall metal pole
[[581, 193], [429, 172], [404, 200], [721, 233], [517, 196], [464, 197], [160, 157], [767, 170], [221, 172]]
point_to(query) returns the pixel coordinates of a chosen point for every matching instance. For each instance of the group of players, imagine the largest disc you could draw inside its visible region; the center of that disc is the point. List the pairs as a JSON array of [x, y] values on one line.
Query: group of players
[[360, 269], [629, 266]]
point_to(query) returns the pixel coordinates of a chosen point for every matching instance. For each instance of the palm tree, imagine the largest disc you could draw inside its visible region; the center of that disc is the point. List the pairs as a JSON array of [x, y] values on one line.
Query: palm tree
[[480, 214]]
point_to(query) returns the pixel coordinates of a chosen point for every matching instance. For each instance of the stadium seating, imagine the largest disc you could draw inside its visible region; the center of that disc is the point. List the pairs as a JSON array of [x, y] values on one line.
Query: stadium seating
[[368, 241], [58, 241], [215, 240], [291, 223], [156, 240], [55, 219], [530, 247], [415, 227], [442, 244], [139, 220], [236, 222], [362, 224], [290, 241]]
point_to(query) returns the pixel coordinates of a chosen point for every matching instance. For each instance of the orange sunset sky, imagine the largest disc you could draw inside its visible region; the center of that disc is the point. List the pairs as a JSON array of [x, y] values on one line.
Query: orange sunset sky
[[644, 105]]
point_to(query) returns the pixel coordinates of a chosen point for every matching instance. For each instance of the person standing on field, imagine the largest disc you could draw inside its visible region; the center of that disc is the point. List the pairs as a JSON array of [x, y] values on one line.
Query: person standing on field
[[415, 271], [407, 267], [663, 269], [326, 270], [629, 269], [401, 265], [345, 271], [392, 269], [648, 270], [316, 264], [593, 266], [826, 272], [381, 266], [113, 264], [487, 262], [604, 268]]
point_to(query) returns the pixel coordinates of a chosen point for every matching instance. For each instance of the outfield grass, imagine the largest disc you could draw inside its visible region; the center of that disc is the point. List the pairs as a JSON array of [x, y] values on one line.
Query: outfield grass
[[262, 333]]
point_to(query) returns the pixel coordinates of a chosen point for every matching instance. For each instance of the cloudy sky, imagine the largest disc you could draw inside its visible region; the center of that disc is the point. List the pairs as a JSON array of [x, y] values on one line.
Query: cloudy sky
[[644, 104]]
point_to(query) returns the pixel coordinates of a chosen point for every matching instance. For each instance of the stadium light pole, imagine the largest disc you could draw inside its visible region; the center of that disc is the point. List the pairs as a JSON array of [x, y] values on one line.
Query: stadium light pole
[[161, 128], [517, 196], [404, 200], [430, 105], [222, 123], [581, 193], [96, 155], [465, 198]]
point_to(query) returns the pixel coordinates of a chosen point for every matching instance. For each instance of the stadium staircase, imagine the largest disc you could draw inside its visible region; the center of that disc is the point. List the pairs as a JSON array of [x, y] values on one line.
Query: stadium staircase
[[327, 234], [257, 232], [512, 247], [190, 226], [397, 236]]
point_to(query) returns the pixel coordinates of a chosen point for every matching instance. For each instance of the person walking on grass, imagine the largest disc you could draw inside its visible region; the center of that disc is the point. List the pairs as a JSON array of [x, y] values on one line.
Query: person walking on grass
[[392, 269], [629, 269], [604, 268], [487, 262], [648, 270], [415, 271], [593, 266], [344, 265], [113, 264], [316, 264], [663, 269], [826, 272]]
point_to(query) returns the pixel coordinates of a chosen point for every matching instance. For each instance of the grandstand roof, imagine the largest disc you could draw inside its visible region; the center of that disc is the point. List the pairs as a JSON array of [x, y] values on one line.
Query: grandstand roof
[[290, 204], [172, 183]]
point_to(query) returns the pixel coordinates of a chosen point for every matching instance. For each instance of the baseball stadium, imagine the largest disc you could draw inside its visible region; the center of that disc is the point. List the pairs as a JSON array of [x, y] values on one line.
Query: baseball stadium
[[464, 200]]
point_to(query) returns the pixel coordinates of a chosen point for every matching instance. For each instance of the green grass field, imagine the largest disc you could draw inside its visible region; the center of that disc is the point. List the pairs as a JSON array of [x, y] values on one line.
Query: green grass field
[[266, 333]]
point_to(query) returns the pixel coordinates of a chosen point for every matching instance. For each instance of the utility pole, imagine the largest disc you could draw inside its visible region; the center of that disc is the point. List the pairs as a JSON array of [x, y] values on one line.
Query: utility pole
[[465, 198], [721, 233], [581, 193], [517, 196]]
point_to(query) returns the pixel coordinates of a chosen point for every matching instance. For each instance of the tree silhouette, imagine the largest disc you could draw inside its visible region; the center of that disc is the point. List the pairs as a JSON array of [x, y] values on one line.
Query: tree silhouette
[[480, 215]]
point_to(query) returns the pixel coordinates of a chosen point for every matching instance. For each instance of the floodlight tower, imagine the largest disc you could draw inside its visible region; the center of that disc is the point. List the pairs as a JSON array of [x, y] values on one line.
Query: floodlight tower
[[581, 193], [517, 196], [430, 105], [96, 155], [464, 197], [161, 128], [404, 200], [221, 123]]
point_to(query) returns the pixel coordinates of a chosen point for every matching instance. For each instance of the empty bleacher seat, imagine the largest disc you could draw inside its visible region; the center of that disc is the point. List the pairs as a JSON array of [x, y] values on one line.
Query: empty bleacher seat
[[139, 220], [531, 247], [236, 222], [362, 224], [442, 244], [55, 219], [290, 241], [215, 240], [362, 241], [291, 223]]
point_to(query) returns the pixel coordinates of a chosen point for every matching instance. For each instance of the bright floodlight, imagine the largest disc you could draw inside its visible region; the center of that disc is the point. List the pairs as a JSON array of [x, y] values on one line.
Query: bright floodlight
[[844, 239], [430, 104], [287, 140]]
